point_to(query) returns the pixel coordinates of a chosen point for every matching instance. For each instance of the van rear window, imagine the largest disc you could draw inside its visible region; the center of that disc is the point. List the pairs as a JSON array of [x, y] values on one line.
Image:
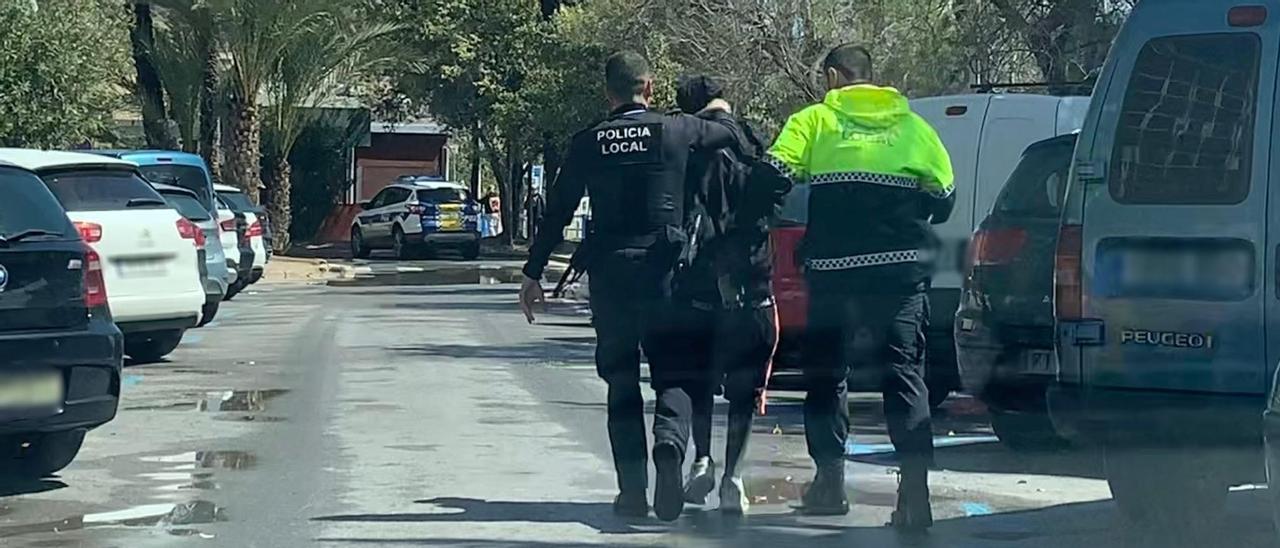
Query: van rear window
[[1186, 125]]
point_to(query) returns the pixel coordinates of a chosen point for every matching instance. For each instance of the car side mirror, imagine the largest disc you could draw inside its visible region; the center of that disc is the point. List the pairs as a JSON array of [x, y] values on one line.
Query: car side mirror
[[364, 204]]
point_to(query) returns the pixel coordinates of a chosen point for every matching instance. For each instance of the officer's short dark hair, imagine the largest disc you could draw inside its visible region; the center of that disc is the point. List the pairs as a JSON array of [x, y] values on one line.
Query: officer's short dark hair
[[851, 60], [693, 92], [625, 74]]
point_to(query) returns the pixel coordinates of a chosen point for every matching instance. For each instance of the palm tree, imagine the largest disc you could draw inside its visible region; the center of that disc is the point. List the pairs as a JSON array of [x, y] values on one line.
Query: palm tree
[[254, 37], [340, 49], [183, 57], [189, 61], [155, 122]]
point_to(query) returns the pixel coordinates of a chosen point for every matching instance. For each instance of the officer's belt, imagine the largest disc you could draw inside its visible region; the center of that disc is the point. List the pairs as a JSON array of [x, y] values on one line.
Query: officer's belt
[[869, 259]]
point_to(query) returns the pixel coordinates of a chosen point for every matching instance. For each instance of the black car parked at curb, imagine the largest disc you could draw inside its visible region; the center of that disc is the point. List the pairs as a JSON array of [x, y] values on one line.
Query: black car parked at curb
[[1004, 325], [60, 353]]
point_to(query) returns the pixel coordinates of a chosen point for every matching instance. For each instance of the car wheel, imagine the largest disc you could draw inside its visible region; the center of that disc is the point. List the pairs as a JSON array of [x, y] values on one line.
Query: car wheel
[[471, 251], [38, 455], [1026, 432], [358, 248], [151, 347], [1165, 488], [210, 311], [400, 245]]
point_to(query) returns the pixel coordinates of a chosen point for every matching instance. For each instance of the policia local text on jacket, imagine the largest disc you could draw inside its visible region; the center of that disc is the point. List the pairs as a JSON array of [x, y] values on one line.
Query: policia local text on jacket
[[633, 165], [878, 177]]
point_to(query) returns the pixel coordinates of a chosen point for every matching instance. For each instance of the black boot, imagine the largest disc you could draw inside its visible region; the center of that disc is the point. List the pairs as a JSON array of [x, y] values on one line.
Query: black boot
[[632, 500], [826, 496], [631, 504], [913, 513], [668, 496]]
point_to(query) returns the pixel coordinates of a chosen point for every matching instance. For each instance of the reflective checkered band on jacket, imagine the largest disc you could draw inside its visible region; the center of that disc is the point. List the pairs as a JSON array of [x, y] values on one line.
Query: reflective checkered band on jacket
[[859, 261], [943, 193], [865, 177], [782, 166]]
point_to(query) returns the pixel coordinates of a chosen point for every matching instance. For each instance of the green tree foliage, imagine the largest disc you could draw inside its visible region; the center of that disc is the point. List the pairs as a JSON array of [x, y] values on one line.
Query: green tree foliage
[[63, 70]]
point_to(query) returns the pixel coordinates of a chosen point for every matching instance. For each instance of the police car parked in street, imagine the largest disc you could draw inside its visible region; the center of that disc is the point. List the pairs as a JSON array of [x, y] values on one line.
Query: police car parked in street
[[417, 214], [62, 355]]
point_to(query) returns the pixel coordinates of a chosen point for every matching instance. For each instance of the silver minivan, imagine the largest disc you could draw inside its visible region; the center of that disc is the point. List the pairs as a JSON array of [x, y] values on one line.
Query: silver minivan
[[1166, 288]]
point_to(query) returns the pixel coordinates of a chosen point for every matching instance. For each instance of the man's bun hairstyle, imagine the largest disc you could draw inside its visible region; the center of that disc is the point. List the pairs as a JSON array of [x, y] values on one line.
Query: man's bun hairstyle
[[693, 92]]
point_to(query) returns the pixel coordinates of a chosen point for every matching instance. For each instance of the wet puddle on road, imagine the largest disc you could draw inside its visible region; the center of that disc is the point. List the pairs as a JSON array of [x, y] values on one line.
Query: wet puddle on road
[[177, 477], [194, 512], [238, 400], [428, 276], [223, 401]]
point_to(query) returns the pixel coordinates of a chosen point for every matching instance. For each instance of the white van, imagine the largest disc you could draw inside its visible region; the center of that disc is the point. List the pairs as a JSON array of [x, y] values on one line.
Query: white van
[[985, 135]]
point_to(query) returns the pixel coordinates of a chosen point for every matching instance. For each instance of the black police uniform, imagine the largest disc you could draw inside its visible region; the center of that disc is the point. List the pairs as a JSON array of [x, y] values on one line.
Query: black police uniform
[[633, 165]]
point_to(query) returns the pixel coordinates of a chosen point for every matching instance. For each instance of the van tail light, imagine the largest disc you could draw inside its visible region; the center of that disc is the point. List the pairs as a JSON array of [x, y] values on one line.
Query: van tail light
[[255, 229], [91, 233], [190, 231], [1068, 289], [228, 225], [95, 287]]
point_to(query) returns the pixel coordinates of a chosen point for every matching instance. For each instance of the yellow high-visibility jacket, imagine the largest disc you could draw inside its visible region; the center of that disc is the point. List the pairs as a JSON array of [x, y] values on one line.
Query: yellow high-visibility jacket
[[878, 176]]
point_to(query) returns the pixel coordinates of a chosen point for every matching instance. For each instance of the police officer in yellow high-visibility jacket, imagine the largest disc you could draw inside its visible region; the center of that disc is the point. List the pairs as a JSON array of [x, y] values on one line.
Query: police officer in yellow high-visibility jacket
[[878, 177]]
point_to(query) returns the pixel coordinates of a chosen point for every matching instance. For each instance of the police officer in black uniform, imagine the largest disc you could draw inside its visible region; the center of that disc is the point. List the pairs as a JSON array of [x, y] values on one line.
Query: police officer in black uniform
[[633, 165]]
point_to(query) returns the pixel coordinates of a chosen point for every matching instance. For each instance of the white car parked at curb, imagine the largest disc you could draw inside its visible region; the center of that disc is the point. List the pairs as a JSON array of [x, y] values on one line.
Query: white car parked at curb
[[148, 251]]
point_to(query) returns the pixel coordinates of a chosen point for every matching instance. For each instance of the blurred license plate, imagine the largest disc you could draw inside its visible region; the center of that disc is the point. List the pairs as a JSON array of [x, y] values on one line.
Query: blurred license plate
[[28, 391], [1039, 362], [1200, 269], [450, 221], [141, 268]]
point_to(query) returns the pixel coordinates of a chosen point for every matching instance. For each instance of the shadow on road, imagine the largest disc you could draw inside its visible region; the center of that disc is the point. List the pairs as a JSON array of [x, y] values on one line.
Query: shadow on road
[[11, 486], [1093, 524], [596, 515]]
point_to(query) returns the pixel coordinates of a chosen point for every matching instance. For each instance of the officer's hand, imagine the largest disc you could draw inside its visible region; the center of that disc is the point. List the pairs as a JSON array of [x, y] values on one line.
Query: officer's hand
[[717, 104], [531, 294]]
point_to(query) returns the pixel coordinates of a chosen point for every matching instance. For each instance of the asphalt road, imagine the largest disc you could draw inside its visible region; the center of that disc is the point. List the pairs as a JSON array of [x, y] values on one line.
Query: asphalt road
[[391, 415]]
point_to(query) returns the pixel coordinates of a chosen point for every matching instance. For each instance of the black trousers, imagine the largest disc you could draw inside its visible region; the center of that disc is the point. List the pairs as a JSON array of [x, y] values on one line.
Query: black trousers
[[629, 294], [698, 350], [881, 328]]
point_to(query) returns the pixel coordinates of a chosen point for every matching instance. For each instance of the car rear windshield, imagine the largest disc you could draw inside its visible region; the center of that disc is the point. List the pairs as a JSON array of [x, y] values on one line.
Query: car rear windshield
[[189, 177], [26, 204], [442, 195], [238, 201], [187, 205], [103, 190], [1036, 187], [1187, 122]]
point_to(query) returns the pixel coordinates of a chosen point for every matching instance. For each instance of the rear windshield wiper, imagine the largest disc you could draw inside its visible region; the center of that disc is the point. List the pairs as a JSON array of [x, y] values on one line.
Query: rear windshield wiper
[[139, 202], [7, 239]]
